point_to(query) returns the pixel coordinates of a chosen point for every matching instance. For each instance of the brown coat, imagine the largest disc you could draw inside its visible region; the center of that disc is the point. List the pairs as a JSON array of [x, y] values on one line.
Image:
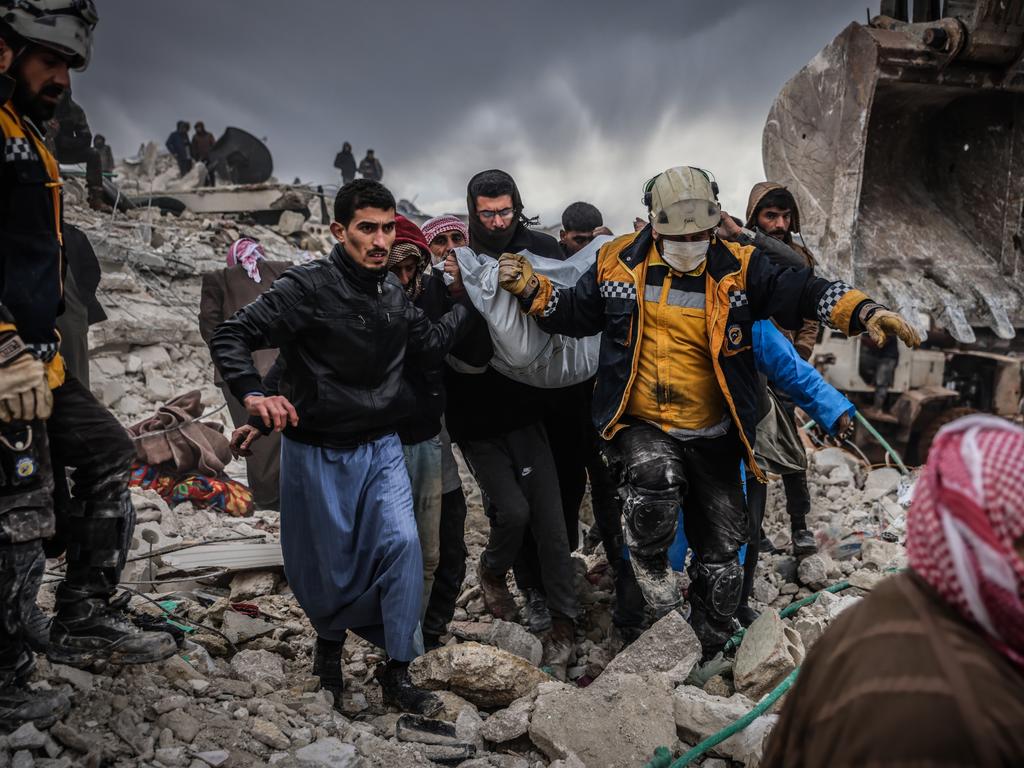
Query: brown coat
[[901, 680], [226, 291], [804, 339]]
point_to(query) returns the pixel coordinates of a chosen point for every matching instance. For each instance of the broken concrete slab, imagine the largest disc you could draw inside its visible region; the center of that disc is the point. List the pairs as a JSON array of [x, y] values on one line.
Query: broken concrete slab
[[699, 715], [670, 648], [881, 482], [485, 676], [882, 554], [770, 650], [814, 570], [618, 720], [329, 752], [261, 666], [239, 628], [507, 635], [508, 724], [250, 584]]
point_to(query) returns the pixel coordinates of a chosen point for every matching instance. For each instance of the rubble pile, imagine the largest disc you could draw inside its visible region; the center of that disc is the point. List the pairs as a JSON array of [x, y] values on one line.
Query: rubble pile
[[241, 691]]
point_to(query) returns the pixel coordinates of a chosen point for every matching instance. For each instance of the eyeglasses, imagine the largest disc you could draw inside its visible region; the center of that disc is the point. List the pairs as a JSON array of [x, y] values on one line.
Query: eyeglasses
[[453, 239], [504, 213]]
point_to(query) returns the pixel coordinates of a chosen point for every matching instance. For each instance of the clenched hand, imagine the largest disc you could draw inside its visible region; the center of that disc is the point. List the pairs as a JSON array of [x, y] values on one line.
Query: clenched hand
[[275, 412], [25, 392], [515, 274]]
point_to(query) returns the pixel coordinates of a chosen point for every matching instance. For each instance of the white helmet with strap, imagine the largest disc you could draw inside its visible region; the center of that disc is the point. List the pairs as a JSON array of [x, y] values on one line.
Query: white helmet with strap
[[64, 26]]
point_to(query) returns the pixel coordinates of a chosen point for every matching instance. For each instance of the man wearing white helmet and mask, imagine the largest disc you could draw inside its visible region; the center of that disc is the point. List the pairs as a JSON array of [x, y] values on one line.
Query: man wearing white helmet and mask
[[44, 410], [676, 392]]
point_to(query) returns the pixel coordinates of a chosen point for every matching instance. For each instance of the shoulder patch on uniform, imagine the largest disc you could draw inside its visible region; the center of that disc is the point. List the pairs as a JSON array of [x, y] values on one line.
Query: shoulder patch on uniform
[[615, 289], [18, 148], [734, 335]]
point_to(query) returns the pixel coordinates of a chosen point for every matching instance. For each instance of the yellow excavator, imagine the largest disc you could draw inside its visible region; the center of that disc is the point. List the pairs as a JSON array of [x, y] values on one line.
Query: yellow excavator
[[903, 141]]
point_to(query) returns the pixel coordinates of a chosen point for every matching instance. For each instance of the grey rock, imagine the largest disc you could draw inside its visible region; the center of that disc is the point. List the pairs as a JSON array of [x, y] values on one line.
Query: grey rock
[[698, 715], [22, 759], [180, 723], [467, 728], [176, 669], [515, 638], [79, 678], [508, 724], [167, 703], [27, 736], [265, 732], [764, 591], [240, 628], [217, 757], [246, 586], [670, 648], [171, 756], [617, 720], [483, 675], [881, 482], [262, 666], [770, 650], [330, 752], [814, 570], [882, 554], [497, 761]]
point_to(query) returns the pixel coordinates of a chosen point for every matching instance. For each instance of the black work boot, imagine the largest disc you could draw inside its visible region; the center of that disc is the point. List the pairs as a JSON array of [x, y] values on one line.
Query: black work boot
[[496, 594], [400, 692], [657, 581], [19, 704], [746, 615], [327, 666], [558, 647], [37, 630], [803, 542], [538, 617], [89, 630]]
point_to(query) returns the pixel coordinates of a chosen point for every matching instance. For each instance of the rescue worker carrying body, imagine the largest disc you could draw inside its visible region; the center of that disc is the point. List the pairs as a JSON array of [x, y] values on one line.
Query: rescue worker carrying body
[[41, 405], [676, 391]]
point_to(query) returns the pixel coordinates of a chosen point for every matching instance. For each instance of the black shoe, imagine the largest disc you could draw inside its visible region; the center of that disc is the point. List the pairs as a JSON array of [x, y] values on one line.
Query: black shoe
[[431, 642], [538, 617], [37, 630], [765, 546], [558, 647], [20, 705], [327, 666], [90, 630], [400, 692], [803, 543], [746, 615]]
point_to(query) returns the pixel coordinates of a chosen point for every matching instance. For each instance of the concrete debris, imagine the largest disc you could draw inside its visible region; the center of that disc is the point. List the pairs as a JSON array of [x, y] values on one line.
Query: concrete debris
[[616, 721], [815, 571], [770, 650], [699, 715], [486, 676], [670, 648], [508, 724]]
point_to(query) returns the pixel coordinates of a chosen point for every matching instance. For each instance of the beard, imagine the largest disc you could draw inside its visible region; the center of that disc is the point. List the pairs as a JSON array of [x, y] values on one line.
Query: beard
[[36, 106]]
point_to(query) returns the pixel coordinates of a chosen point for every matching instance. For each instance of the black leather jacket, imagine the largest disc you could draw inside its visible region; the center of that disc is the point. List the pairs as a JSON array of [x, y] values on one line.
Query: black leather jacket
[[345, 333]]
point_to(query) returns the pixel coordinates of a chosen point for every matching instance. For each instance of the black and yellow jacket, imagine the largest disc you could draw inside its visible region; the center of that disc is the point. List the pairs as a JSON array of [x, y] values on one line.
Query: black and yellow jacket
[[31, 243], [742, 286]]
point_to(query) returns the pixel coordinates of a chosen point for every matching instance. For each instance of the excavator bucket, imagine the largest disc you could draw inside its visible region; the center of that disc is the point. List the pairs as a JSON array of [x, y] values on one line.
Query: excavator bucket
[[903, 144]]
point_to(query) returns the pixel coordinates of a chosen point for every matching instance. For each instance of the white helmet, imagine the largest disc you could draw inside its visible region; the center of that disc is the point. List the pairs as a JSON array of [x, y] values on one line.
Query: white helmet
[[63, 25]]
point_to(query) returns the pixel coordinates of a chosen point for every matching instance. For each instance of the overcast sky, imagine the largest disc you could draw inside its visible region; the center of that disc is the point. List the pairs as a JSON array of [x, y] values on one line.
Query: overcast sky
[[578, 100]]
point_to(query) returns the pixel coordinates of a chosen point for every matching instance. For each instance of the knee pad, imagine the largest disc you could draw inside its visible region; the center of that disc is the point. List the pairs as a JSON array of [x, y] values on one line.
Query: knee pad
[[718, 587], [650, 518], [100, 532]]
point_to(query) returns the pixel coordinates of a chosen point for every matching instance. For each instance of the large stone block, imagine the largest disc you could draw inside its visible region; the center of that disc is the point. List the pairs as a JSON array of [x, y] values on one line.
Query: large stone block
[[481, 674], [670, 648], [770, 650]]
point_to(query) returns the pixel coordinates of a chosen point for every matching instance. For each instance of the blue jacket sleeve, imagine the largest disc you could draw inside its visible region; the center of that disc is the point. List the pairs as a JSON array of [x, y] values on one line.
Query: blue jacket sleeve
[[778, 359]]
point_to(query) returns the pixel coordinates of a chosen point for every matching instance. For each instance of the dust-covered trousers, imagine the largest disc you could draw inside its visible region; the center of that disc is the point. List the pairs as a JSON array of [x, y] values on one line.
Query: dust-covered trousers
[[658, 473], [350, 544], [423, 461], [94, 525]]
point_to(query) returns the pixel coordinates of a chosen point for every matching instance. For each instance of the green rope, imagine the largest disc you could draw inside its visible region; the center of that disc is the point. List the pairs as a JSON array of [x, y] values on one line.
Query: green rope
[[889, 449], [717, 738]]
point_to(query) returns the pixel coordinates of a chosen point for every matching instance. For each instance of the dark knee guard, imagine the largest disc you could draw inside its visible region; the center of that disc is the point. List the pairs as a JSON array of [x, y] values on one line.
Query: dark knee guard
[[650, 527], [100, 533], [21, 573], [715, 590]]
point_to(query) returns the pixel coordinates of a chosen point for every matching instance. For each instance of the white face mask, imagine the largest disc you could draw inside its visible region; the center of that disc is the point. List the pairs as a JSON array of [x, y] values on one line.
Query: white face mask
[[684, 256]]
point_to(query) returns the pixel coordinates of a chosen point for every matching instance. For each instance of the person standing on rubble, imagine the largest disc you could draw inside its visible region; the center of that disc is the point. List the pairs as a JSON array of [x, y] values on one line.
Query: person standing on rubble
[[772, 210], [179, 146], [676, 385], [370, 167], [346, 330], [507, 447], [43, 409], [248, 274], [443, 234], [200, 148], [345, 162], [942, 642]]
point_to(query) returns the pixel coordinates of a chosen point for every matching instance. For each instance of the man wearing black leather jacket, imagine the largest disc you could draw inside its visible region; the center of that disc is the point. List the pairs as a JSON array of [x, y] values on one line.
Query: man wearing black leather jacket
[[346, 331]]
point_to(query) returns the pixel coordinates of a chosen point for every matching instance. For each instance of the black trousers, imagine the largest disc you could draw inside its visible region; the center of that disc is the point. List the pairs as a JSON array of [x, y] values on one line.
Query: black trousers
[[96, 522], [516, 473], [451, 566]]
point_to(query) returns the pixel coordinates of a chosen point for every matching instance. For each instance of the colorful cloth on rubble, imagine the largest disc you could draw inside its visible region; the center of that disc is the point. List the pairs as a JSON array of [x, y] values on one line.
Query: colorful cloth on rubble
[[249, 254], [966, 522], [218, 493]]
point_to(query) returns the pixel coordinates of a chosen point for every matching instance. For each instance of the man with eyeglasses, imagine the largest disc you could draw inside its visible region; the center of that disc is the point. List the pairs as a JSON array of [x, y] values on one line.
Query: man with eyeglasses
[[581, 223], [47, 416], [498, 425]]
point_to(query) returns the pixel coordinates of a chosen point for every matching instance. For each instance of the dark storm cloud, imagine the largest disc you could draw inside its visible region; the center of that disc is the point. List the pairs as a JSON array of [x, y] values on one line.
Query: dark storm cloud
[[584, 99]]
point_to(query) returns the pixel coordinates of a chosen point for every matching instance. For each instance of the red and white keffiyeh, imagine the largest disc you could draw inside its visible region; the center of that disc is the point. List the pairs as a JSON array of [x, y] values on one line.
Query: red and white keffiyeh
[[248, 253], [965, 520]]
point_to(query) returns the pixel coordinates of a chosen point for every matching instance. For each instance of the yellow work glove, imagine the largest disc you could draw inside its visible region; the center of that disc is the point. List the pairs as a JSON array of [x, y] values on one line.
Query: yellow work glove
[[882, 322], [515, 275], [24, 392]]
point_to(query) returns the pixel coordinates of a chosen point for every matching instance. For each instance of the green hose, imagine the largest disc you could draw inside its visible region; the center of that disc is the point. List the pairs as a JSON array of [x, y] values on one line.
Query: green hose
[[789, 610], [889, 449]]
